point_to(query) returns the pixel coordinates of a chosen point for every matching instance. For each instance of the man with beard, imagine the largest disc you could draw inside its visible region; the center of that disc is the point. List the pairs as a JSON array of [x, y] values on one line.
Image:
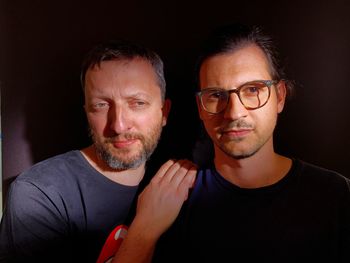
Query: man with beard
[[251, 204], [62, 209]]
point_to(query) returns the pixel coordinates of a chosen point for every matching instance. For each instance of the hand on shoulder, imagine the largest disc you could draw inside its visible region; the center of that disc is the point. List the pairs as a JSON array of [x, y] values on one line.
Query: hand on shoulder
[[160, 202]]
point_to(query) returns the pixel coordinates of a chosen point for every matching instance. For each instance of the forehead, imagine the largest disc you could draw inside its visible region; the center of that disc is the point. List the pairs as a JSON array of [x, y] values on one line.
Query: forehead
[[235, 68], [122, 75], [120, 68]]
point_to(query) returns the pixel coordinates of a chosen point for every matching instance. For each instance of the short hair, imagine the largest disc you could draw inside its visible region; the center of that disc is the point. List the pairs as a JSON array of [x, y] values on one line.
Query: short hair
[[123, 50], [229, 38]]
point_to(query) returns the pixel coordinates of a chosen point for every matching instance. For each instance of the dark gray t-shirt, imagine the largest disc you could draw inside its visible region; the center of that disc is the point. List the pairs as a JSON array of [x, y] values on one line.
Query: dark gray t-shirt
[[61, 210]]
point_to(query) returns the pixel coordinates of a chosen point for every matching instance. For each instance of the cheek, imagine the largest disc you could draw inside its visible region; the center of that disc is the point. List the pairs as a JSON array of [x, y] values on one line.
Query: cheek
[[97, 122], [210, 118], [266, 121], [212, 124], [148, 120]]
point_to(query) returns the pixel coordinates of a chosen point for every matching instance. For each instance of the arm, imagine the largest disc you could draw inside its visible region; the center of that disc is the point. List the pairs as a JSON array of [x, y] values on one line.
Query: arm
[[157, 208], [29, 224]]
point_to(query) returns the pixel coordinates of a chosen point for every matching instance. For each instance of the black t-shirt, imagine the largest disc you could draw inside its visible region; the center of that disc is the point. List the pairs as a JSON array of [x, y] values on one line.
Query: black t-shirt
[[61, 210], [305, 217]]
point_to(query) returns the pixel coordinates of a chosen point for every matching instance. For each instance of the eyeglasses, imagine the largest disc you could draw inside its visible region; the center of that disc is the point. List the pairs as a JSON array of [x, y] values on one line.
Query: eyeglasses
[[253, 95]]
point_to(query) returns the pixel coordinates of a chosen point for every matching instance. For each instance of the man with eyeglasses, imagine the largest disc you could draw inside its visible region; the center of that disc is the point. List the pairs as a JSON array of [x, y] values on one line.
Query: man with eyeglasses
[[252, 204]]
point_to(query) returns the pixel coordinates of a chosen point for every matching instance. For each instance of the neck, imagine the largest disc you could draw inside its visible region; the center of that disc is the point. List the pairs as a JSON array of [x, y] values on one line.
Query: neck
[[130, 177], [263, 168]]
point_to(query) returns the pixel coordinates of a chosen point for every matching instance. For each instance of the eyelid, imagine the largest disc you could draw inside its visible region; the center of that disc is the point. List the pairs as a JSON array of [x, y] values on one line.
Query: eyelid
[[138, 104], [100, 105], [213, 90]]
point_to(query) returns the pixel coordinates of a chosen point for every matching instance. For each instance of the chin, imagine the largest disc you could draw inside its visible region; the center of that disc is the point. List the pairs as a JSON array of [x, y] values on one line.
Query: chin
[[125, 163], [238, 154], [242, 155]]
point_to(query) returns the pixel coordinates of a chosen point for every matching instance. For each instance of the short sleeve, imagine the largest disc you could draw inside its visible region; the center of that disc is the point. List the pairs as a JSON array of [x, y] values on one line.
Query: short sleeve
[[31, 220]]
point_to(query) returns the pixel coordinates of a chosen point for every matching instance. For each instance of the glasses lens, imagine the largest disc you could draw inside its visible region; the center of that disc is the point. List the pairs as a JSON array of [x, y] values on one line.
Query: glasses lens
[[214, 100], [254, 95]]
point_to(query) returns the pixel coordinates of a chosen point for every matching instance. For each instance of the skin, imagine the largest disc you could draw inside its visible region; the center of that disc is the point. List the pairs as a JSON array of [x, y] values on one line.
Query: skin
[[243, 141], [157, 208], [125, 112]]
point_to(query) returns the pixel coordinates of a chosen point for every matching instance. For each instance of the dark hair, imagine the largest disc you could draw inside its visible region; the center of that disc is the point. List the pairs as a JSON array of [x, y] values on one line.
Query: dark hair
[[121, 50], [230, 38]]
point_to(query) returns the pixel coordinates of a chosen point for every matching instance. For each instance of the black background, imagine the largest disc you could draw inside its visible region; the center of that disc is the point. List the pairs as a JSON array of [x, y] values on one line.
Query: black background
[[43, 42]]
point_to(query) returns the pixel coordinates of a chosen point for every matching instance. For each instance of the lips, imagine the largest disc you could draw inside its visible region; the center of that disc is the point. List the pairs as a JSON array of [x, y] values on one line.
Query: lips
[[124, 143], [236, 133]]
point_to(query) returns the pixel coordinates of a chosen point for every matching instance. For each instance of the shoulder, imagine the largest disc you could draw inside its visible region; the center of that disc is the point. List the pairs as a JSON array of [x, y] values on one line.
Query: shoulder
[[48, 169], [207, 180], [56, 174], [310, 169], [48, 185], [321, 177], [204, 174]]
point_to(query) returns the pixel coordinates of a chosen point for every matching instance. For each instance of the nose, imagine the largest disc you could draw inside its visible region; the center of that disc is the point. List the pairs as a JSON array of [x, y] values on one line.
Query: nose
[[235, 109], [119, 120]]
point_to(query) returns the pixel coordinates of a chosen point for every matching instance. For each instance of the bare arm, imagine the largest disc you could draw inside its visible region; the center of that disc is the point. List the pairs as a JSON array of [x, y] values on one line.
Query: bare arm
[[157, 208]]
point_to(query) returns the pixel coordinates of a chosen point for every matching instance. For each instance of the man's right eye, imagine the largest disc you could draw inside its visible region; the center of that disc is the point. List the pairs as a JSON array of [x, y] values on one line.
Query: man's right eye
[[100, 105], [216, 95]]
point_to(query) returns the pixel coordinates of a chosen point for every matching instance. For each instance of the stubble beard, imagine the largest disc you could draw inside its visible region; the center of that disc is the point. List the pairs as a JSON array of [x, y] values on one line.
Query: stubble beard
[[241, 154], [120, 161], [232, 147]]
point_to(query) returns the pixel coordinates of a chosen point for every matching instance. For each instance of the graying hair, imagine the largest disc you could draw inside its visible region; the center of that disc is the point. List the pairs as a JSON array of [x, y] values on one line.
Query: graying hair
[[123, 50]]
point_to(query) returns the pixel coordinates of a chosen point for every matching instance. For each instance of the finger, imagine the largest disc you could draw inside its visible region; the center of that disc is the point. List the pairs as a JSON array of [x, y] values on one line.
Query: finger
[[191, 176], [176, 172], [188, 182], [181, 173], [172, 171], [162, 170]]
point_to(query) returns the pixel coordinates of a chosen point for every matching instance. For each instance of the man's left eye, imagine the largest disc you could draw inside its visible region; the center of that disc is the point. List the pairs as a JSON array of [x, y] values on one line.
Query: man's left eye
[[138, 103], [100, 105]]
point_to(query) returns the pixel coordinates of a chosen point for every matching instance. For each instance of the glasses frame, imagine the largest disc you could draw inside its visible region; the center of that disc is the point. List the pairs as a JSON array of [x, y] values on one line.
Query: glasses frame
[[267, 83]]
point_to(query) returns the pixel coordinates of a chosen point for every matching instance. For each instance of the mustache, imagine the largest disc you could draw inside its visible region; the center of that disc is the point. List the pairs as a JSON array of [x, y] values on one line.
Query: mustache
[[124, 136], [236, 124], [118, 137]]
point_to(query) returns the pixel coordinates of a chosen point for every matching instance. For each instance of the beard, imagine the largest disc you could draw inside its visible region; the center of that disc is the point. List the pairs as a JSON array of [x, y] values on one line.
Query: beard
[[238, 154], [237, 148], [122, 159]]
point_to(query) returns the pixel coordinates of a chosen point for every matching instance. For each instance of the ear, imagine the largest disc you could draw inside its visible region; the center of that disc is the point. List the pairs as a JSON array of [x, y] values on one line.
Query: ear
[[166, 111], [281, 92]]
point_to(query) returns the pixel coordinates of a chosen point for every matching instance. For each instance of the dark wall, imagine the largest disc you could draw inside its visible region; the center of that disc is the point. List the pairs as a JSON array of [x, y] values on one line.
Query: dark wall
[[42, 44]]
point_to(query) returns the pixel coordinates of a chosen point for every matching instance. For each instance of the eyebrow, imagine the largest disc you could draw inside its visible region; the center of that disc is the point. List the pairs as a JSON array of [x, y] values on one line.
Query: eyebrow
[[245, 83], [138, 95]]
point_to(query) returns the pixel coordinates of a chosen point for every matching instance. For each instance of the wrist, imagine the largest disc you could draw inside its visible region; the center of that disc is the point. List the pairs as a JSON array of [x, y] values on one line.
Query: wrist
[[145, 232]]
